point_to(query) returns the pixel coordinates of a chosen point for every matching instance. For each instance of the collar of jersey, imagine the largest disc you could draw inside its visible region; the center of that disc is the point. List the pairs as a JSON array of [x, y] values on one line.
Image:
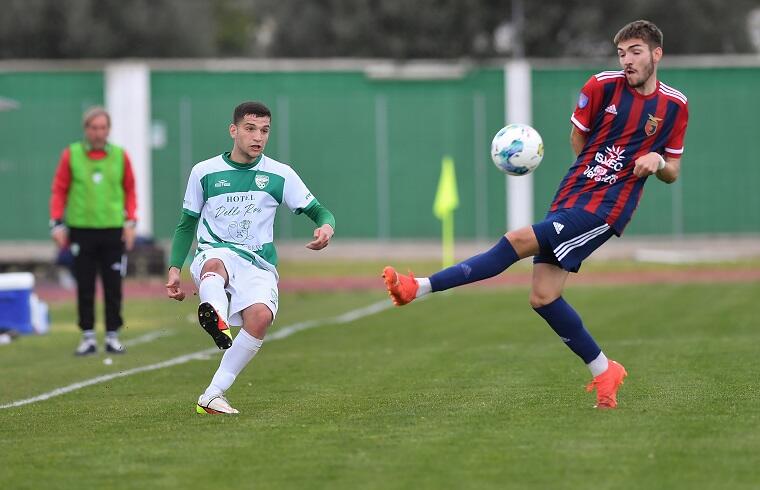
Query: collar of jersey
[[240, 166], [641, 96], [88, 147]]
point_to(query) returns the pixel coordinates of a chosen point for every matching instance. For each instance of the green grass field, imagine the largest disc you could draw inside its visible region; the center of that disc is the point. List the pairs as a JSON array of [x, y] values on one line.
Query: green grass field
[[468, 389]]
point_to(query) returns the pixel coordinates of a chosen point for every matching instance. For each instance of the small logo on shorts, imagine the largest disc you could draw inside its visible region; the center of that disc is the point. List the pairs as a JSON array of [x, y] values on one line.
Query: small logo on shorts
[[557, 226]]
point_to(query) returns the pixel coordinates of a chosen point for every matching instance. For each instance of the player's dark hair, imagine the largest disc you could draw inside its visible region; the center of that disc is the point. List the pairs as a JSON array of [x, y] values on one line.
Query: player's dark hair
[[253, 108], [640, 29]]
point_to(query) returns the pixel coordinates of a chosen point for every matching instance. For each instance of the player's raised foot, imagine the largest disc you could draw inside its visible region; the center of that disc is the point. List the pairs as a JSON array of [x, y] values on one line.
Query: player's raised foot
[[402, 289], [214, 326], [607, 385], [214, 404]]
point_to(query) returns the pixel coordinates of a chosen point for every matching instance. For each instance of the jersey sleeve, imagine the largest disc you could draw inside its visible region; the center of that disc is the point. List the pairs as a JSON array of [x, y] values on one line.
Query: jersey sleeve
[[60, 188], [193, 200], [130, 194], [296, 195], [588, 105], [675, 144]]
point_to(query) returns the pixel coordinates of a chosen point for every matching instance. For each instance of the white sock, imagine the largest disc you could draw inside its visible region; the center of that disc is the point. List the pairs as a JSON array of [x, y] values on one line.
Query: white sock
[[211, 290], [424, 286], [244, 347], [598, 365]]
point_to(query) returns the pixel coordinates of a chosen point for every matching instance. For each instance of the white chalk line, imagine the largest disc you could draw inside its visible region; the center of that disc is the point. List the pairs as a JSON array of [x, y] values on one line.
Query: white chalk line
[[282, 333], [148, 337]]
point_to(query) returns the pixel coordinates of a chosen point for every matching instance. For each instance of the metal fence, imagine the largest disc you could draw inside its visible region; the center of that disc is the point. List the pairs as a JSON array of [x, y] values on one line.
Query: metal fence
[[369, 143]]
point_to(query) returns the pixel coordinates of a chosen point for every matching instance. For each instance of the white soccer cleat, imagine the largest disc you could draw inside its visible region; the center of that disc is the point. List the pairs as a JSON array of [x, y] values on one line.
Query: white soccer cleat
[[214, 404], [114, 346], [86, 347]]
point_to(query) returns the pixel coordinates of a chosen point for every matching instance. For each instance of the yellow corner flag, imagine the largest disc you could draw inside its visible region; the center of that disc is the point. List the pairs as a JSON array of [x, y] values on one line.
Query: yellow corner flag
[[446, 201]]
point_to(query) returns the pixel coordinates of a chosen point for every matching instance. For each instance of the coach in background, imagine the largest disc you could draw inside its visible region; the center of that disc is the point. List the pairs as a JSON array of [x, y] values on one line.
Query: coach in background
[[92, 210]]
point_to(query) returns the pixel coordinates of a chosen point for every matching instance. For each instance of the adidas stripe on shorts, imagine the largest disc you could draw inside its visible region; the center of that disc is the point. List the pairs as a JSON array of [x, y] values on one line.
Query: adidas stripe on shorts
[[567, 237]]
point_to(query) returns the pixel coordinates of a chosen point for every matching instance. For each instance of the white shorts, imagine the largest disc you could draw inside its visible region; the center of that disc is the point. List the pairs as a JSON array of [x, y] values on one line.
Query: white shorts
[[247, 285]]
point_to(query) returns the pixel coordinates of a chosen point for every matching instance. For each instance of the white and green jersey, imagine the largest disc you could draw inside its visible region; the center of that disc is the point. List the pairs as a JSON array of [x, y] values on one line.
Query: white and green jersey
[[235, 205]]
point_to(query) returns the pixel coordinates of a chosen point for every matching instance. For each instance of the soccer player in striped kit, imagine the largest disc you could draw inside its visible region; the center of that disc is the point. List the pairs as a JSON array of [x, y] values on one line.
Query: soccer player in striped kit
[[627, 126]]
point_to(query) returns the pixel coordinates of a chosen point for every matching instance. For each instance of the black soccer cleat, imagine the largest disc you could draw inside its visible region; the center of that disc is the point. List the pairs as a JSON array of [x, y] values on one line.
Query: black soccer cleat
[[214, 326]]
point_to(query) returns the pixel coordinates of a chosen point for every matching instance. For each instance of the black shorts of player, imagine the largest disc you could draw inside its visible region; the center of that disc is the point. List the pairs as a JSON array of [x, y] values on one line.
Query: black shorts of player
[[567, 236]]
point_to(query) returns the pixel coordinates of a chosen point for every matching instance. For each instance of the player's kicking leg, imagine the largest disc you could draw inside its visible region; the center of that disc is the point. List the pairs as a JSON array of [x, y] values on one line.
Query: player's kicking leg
[[512, 247], [581, 234], [214, 325], [212, 312]]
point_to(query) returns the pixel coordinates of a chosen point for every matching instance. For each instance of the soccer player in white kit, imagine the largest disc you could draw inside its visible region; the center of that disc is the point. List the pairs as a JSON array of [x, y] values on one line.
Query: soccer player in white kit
[[231, 200]]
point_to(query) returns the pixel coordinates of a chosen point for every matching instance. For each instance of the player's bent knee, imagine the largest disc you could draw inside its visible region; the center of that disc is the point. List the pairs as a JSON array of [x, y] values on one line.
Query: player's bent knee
[[214, 265], [542, 298], [524, 241], [257, 319]]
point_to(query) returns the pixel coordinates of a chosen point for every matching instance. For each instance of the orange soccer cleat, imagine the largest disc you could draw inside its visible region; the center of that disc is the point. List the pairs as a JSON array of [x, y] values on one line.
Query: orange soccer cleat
[[607, 385], [402, 289]]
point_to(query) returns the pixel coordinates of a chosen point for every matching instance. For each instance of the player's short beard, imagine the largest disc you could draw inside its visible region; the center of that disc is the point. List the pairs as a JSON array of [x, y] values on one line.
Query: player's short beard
[[647, 73]]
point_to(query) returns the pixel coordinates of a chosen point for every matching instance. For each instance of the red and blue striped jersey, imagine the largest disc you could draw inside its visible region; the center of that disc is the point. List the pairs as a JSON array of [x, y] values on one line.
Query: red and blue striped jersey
[[621, 125]]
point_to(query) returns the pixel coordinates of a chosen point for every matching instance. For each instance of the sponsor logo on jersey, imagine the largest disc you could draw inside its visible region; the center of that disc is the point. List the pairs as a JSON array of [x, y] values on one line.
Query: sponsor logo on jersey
[[611, 109], [261, 181], [610, 163], [241, 198], [557, 226], [651, 126], [222, 183]]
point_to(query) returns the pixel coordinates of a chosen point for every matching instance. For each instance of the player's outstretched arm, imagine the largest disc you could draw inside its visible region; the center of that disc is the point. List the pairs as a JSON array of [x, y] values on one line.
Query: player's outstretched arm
[[173, 288], [322, 237], [183, 239], [325, 222]]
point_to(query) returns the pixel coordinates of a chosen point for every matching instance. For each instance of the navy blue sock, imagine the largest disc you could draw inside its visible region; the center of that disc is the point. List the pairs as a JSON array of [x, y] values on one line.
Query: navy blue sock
[[476, 268], [569, 326]]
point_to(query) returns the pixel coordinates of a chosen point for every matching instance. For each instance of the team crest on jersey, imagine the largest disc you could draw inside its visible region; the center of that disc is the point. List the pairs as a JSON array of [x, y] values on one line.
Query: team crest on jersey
[[651, 126], [261, 181]]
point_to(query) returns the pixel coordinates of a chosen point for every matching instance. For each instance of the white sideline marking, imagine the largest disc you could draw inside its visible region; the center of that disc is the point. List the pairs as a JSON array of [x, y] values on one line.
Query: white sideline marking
[[148, 337], [282, 333]]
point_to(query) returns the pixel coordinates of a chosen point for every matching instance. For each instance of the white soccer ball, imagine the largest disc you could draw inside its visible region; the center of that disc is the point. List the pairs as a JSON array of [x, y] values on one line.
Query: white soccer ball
[[517, 149]]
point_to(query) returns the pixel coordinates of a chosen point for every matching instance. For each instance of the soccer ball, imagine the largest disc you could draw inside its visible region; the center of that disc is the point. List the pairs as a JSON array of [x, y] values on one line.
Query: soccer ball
[[517, 149]]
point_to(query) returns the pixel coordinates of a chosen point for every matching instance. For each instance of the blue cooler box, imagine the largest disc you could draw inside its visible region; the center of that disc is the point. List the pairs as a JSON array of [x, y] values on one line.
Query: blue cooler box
[[15, 305]]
